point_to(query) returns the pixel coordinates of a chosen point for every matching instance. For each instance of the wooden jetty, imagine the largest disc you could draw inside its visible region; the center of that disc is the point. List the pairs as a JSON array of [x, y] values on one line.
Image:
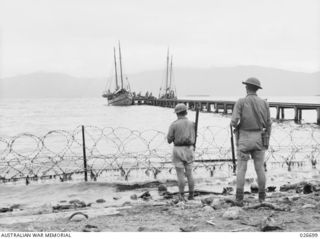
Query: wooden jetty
[[226, 107]]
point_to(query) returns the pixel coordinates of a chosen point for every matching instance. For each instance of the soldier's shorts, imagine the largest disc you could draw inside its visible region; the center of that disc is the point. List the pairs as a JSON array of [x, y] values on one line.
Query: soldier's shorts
[[183, 156], [250, 144]]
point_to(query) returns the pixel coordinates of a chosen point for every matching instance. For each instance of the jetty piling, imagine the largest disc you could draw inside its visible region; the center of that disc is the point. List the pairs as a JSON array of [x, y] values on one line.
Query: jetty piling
[[278, 113], [84, 155], [208, 107], [296, 114], [282, 113], [226, 107]]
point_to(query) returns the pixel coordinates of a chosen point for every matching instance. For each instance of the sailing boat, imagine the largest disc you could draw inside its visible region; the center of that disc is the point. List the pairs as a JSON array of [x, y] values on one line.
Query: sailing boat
[[121, 96], [168, 92]]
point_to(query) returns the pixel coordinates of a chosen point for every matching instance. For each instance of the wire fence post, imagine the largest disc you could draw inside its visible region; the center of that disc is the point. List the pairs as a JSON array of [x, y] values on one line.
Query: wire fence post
[[232, 150], [84, 155], [196, 127]]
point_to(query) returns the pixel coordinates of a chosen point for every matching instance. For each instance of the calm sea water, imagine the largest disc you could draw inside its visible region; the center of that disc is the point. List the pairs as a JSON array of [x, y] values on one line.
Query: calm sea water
[[39, 116]]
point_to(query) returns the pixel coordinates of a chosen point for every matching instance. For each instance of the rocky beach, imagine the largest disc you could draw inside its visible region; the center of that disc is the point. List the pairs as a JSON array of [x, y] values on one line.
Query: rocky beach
[[289, 208]]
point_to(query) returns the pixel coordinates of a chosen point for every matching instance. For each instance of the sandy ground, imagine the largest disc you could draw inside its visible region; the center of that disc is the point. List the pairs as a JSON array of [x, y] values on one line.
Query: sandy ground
[[288, 211]]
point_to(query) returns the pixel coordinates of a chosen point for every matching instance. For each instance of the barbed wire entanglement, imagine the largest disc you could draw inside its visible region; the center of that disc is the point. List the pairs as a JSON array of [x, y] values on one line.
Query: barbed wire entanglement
[[122, 153]]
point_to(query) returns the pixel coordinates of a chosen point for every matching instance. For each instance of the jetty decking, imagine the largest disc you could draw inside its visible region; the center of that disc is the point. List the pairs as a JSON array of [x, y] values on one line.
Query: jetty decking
[[226, 107]]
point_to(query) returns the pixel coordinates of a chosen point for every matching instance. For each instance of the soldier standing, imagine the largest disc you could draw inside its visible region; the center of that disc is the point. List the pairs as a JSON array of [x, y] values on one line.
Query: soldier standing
[[252, 123], [182, 134]]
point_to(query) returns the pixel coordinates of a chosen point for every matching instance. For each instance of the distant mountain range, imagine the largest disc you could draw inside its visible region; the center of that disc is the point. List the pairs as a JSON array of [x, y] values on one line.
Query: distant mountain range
[[220, 81]]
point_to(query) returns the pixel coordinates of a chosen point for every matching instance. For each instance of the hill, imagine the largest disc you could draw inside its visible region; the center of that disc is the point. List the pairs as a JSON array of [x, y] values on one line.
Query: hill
[[220, 81], [48, 84], [226, 81]]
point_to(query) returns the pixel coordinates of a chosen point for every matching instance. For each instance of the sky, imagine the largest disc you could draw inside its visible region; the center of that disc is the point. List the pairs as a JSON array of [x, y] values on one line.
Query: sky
[[77, 37]]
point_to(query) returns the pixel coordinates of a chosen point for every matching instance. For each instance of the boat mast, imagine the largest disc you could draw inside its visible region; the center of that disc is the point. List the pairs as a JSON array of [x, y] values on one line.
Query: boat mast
[[115, 68], [167, 74], [170, 84], [121, 77]]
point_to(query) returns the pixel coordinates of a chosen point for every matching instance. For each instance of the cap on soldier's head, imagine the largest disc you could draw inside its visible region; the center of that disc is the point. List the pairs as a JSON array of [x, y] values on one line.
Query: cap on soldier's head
[[252, 81], [180, 108]]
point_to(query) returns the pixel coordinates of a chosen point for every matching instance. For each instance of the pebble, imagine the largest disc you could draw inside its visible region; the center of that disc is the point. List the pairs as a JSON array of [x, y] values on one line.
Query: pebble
[[148, 229], [142, 229], [308, 188], [15, 206], [134, 197], [227, 190], [293, 198], [145, 196], [162, 188], [207, 201], [216, 204], [78, 203], [44, 209], [75, 201], [308, 206], [254, 188], [232, 213], [181, 205], [285, 200], [63, 207], [166, 195], [271, 189], [79, 217], [90, 228], [207, 209], [192, 228], [269, 224], [126, 203], [101, 200], [4, 209]]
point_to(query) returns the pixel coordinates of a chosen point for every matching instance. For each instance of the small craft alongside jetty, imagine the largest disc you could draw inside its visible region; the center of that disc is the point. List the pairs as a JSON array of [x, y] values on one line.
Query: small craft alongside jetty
[[122, 95], [168, 91]]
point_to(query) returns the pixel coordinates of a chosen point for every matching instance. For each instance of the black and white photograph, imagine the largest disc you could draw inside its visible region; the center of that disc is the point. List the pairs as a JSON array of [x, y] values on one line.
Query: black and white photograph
[[159, 116]]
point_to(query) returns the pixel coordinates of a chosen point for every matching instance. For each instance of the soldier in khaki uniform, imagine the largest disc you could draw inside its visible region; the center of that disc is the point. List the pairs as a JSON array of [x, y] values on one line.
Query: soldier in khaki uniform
[[182, 134], [252, 123]]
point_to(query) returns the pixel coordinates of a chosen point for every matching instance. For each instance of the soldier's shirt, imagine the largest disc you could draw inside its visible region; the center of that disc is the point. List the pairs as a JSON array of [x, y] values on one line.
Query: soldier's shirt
[[244, 115], [181, 132]]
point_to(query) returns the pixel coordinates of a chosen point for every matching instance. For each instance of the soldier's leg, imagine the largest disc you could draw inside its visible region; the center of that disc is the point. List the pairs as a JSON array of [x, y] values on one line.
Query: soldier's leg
[[241, 173], [181, 182], [188, 169], [258, 159]]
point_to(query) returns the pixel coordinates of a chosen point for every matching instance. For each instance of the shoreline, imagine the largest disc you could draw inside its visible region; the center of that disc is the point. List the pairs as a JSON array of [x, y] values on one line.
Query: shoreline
[[291, 210]]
